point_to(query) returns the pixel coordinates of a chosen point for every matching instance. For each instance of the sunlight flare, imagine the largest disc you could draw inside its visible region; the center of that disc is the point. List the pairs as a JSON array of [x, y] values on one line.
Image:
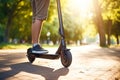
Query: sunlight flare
[[80, 7]]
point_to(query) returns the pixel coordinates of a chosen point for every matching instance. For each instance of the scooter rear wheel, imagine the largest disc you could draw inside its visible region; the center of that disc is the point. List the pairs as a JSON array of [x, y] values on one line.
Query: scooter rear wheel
[[66, 58], [30, 56]]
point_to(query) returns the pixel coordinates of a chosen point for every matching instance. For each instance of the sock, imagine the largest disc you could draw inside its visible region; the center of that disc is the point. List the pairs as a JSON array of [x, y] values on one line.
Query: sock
[[35, 44]]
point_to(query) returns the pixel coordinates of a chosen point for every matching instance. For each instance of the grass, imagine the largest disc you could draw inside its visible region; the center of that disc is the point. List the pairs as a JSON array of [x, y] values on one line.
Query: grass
[[14, 46], [111, 46], [26, 46], [21, 46]]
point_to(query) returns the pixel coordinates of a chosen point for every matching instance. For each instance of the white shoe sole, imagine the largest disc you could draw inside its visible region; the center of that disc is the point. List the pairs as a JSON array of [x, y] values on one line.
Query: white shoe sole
[[39, 52]]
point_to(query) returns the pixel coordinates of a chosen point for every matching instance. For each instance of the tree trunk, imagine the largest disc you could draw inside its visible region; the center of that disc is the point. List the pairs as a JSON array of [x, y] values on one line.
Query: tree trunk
[[99, 23], [117, 38], [108, 40], [6, 37], [109, 31], [11, 14]]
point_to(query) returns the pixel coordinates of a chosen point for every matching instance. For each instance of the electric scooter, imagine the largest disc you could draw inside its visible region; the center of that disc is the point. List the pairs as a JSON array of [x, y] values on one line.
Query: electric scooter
[[62, 52]]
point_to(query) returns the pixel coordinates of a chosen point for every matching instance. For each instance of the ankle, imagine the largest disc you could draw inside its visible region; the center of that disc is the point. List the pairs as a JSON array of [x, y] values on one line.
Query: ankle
[[35, 44]]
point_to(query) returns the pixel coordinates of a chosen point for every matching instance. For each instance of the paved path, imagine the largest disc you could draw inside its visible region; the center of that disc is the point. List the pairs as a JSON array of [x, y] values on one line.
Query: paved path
[[89, 63]]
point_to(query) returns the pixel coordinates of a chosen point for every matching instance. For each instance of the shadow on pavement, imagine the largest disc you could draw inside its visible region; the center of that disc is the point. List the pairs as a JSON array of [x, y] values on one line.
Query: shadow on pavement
[[104, 53], [46, 72]]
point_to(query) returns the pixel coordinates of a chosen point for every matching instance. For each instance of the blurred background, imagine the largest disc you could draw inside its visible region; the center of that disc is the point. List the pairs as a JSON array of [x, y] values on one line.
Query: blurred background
[[85, 22]]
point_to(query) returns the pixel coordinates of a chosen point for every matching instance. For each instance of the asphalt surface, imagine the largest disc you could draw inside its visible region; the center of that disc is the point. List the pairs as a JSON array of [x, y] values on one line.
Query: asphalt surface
[[89, 62]]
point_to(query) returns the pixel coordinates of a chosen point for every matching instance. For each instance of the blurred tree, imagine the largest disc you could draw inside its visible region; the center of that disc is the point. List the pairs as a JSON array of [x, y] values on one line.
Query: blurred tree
[[110, 14], [116, 30], [8, 9], [1, 32], [21, 25], [108, 27], [72, 24], [98, 19], [16, 18]]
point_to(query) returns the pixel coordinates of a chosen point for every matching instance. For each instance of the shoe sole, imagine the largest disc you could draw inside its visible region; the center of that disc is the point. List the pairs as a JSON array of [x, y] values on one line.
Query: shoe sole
[[39, 52]]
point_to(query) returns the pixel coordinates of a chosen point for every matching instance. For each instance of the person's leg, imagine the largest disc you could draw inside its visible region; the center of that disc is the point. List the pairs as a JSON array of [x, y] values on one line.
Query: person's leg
[[40, 8], [36, 30]]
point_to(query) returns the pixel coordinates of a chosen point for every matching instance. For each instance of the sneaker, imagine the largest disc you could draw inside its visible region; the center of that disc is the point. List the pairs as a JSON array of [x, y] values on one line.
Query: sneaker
[[39, 50]]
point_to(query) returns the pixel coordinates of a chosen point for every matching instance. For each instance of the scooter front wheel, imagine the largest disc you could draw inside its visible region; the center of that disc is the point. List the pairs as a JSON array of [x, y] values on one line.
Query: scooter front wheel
[[66, 58], [30, 56]]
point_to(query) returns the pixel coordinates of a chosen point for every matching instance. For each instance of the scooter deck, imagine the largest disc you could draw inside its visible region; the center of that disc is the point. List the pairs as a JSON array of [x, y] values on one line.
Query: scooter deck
[[47, 56]]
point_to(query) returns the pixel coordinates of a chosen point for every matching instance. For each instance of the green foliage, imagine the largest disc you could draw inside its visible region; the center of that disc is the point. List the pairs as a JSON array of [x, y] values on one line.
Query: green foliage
[[16, 18], [21, 25], [110, 12], [116, 28], [20, 15]]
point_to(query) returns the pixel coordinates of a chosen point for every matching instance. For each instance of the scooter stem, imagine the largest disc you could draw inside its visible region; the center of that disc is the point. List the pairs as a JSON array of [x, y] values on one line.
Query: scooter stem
[[61, 29]]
